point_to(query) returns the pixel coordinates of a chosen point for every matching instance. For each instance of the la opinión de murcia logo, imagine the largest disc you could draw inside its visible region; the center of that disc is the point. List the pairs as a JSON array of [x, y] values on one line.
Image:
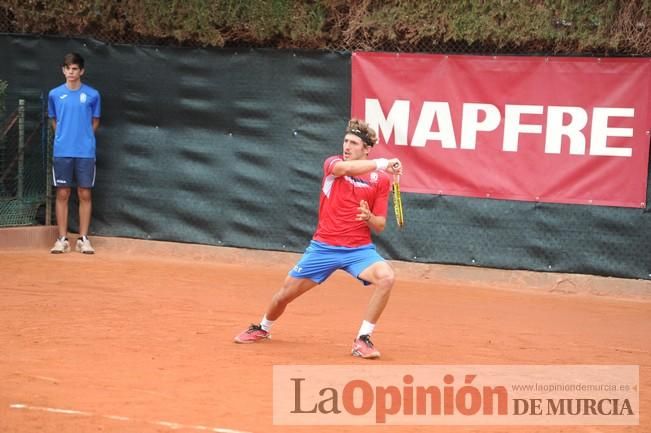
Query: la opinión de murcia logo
[[359, 397], [428, 395], [572, 406]]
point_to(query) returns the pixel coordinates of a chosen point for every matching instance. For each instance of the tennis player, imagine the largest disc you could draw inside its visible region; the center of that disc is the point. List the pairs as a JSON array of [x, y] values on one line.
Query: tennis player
[[74, 108], [354, 200]]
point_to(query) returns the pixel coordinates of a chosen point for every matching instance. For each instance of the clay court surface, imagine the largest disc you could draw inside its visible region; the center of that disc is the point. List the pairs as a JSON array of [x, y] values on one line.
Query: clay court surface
[[138, 337]]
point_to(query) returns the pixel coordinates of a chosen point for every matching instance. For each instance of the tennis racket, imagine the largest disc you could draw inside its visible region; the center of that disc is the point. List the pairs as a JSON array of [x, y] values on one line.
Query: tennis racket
[[397, 201]]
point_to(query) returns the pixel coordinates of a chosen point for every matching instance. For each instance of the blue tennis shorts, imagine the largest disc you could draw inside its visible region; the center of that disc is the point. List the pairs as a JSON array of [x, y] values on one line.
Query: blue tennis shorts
[[68, 172], [321, 260]]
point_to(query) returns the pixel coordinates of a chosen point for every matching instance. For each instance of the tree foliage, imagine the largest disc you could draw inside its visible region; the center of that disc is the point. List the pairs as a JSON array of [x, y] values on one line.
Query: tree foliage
[[603, 27]]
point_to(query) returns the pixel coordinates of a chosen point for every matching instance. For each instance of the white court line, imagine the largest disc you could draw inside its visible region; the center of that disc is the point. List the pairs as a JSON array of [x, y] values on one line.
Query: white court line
[[169, 424], [50, 379], [50, 409], [117, 417], [226, 430]]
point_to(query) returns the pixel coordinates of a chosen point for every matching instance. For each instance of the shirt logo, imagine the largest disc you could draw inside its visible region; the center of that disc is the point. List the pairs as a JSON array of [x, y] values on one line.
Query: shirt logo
[[374, 177], [82, 97], [357, 181], [63, 96]]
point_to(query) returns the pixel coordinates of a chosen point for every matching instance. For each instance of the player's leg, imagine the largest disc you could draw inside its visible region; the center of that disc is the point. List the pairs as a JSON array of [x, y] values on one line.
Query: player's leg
[[368, 266], [62, 174], [85, 175], [85, 209], [61, 209], [292, 288], [381, 275], [315, 266]]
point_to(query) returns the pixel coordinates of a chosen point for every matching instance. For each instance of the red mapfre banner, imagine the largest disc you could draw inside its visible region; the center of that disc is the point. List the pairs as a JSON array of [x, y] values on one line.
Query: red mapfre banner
[[549, 129]]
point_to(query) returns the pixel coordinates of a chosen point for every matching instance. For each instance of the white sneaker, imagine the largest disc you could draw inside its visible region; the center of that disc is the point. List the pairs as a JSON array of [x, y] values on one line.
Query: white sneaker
[[60, 246], [84, 246]]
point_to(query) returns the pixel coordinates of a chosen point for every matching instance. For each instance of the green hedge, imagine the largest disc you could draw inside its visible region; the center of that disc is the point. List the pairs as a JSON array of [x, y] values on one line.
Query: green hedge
[[601, 27]]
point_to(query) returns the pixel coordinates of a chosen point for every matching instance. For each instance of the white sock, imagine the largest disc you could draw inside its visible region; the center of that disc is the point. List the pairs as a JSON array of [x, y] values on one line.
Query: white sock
[[266, 324], [366, 328]]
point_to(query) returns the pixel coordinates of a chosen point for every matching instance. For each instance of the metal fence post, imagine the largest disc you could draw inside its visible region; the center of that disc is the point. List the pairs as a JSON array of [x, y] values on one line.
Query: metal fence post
[[21, 150], [47, 136]]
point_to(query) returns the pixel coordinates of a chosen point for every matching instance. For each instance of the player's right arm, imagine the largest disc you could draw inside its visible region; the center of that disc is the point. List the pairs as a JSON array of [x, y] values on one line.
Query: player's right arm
[[51, 109], [361, 166]]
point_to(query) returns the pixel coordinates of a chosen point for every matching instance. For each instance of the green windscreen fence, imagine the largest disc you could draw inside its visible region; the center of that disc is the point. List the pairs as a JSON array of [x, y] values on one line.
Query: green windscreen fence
[[23, 159], [225, 147]]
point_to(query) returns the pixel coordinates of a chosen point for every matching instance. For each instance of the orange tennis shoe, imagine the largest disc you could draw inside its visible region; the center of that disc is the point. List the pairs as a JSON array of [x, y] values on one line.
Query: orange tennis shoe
[[364, 348], [253, 334]]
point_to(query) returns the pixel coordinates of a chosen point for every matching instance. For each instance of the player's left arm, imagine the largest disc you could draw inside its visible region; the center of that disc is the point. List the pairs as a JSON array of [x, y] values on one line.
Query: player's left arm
[[97, 110], [376, 218], [375, 222]]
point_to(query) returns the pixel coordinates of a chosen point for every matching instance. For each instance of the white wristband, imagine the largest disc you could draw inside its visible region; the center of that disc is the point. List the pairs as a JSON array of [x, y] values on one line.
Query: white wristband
[[381, 163]]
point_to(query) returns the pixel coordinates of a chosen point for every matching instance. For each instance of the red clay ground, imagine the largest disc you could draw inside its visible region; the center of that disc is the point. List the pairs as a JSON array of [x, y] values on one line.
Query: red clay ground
[[134, 341]]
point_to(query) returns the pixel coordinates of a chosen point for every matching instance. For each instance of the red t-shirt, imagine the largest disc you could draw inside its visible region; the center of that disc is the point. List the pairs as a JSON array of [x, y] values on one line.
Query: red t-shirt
[[339, 201]]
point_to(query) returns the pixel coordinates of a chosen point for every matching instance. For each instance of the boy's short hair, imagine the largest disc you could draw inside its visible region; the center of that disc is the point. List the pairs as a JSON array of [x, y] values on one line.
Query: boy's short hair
[[73, 59]]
